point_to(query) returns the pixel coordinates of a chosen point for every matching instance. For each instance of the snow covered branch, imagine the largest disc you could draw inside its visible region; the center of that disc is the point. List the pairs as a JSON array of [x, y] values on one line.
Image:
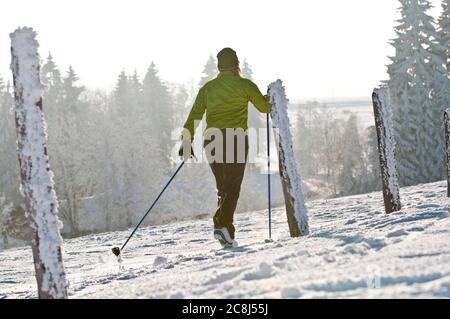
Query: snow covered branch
[[37, 179]]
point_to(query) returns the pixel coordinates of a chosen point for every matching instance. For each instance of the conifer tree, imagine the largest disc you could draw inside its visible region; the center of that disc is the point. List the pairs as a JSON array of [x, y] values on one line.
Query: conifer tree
[[51, 77], [209, 71], [414, 74], [255, 118], [157, 103], [351, 158], [443, 37], [71, 90], [372, 158], [122, 155], [306, 137], [9, 168], [247, 71]]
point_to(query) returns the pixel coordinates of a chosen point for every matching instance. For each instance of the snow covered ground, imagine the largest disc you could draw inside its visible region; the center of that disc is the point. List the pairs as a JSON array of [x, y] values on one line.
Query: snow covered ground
[[354, 250]]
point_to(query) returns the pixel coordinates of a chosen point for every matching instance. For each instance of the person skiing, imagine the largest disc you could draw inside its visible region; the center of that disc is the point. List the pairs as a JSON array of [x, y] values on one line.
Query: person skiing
[[225, 101]]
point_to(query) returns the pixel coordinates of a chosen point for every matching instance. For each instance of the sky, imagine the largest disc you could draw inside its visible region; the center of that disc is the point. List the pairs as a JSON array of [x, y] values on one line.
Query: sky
[[321, 49]]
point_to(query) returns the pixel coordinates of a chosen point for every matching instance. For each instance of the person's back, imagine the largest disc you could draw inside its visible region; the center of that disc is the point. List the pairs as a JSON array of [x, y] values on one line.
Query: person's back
[[225, 101]]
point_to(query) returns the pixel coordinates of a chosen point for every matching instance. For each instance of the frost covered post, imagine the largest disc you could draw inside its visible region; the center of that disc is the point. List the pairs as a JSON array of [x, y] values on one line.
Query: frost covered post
[[447, 147], [296, 211], [37, 181], [386, 148]]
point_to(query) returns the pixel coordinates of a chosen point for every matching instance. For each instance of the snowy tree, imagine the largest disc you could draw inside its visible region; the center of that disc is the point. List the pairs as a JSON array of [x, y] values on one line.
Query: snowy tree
[[121, 94], [137, 156], [2, 85], [9, 169], [72, 91], [50, 73], [51, 77], [121, 151], [330, 132], [72, 177], [37, 181], [439, 79], [68, 122], [372, 160], [255, 118], [70, 128], [135, 92], [14, 223], [415, 94], [443, 37], [5, 217], [246, 70], [305, 139], [332, 149], [349, 179], [157, 104], [209, 71], [180, 96]]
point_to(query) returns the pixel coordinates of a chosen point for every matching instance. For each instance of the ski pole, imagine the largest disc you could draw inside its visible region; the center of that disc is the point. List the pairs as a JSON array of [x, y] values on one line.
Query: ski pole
[[116, 250], [268, 177]]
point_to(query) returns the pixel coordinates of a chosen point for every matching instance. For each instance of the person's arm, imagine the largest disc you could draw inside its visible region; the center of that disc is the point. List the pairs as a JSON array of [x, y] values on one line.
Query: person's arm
[[258, 100], [196, 115]]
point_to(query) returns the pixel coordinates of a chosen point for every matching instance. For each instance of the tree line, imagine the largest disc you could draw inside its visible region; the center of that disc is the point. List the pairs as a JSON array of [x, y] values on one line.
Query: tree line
[[335, 152]]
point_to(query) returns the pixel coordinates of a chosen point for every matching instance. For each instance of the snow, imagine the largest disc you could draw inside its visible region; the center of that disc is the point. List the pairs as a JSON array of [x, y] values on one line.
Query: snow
[[354, 250], [37, 183], [280, 121], [290, 292], [387, 138]]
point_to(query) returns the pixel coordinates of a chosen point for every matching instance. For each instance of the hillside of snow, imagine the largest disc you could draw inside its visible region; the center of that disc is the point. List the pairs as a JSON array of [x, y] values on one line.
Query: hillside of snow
[[353, 250]]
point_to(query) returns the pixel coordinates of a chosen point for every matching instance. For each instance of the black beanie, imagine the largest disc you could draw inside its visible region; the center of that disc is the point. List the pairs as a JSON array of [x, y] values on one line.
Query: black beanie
[[227, 60]]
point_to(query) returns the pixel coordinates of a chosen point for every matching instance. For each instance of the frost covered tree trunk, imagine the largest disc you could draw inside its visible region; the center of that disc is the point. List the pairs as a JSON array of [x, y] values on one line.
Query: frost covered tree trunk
[[37, 180], [296, 211], [386, 148], [447, 147]]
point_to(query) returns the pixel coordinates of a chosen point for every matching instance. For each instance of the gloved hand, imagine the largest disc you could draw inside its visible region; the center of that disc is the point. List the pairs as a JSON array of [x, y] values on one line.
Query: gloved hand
[[181, 151]]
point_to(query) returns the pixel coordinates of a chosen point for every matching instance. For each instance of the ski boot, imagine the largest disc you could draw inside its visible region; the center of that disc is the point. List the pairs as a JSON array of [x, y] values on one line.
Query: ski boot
[[224, 238]]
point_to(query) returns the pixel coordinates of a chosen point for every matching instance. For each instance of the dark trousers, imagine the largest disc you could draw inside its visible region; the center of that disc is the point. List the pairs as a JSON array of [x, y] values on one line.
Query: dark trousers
[[228, 178]]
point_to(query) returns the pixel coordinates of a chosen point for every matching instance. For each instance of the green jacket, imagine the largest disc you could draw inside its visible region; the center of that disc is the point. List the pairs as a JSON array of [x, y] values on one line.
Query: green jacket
[[225, 100]]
